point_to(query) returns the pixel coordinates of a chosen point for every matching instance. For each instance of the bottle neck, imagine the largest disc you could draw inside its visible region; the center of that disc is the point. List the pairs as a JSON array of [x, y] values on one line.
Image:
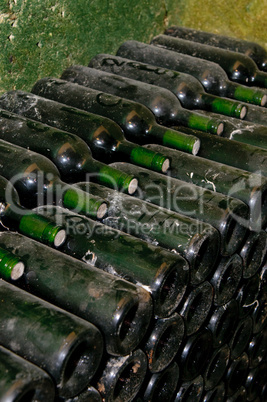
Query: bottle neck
[[198, 122], [246, 94], [223, 106], [33, 225], [141, 156], [175, 139], [260, 79], [11, 267]]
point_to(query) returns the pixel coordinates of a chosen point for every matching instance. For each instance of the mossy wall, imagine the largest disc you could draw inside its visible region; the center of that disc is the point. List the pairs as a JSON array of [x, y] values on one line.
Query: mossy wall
[[42, 37]]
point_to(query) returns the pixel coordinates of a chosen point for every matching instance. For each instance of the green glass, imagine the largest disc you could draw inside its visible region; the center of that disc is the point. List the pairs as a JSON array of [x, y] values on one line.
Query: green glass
[[11, 267], [37, 181], [239, 67], [21, 380], [118, 308], [247, 187], [163, 274], [185, 87], [227, 214], [197, 241], [68, 348], [231, 152], [251, 49], [211, 75], [163, 103], [15, 217], [104, 136]]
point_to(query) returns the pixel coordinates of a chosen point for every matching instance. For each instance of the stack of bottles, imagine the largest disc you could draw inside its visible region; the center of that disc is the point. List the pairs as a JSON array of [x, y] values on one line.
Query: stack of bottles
[[133, 206]]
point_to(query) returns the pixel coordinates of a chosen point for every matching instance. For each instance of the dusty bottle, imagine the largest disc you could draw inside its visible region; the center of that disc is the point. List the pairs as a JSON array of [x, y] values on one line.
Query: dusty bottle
[[256, 349], [190, 390], [163, 341], [90, 394], [11, 267], [226, 278], [230, 152], [165, 275], [239, 396], [222, 322], [259, 311], [37, 182], [196, 241], [216, 394], [227, 214], [256, 380], [185, 87], [68, 152], [196, 350], [196, 307], [118, 308], [253, 252], [163, 103], [74, 350], [241, 337], [104, 137], [15, 217], [107, 135], [221, 178], [236, 374], [21, 380], [211, 75], [216, 367], [137, 121], [247, 295], [160, 386], [122, 377], [239, 67], [252, 49]]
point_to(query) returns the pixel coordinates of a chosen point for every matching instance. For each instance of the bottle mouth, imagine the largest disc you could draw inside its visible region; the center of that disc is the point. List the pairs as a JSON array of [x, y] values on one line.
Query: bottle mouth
[[132, 187], [196, 147], [102, 210], [220, 129], [264, 100], [253, 253], [216, 367], [191, 390], [17, 271], [60, 238], [161, 386], [232, 231], [241, 337], [223, 322], [243, 112]]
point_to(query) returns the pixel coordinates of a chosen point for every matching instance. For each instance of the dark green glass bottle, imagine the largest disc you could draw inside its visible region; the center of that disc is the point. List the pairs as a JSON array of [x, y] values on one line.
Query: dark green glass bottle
[[247, 295], [247, 187], [38, 182], [15, 217], [120, 309], [256, 382], [252, 49], [185, 87], [21, 380], [190, 390], [224, 213], [162, 103], [216, 367], [216, 394], [11, 267], [239, 67], [106, 138], [211, 75], [90, 394], [256, 349], [165, 275], [253, 252], [196, 241], [236, 375], [122, 377], [67, 347], [230, 152], [241, 337]]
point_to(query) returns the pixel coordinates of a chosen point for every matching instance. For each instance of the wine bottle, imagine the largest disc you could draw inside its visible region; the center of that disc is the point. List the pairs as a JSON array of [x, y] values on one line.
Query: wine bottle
[[190, 390], [241, 337], [247, 295], [185, 87], [11, 267], [122, 377], [256, 349], [163, 103], [195, 309], [67, 347], [196, 241], [239, 67], [256, 380], [68, 152], [231, 152], [236, 374], [21, 380], [195, 353], [248, 187], [226, 278], [259, 311], [14, 217], [165, 275], [90, 394], [222, 322], [37, 182], [227, 214], [118, 308], [160, 386], [163, 341], [252, 49], [239, 396], [253, 252], [216, 367], [102, 142], [216, 394], [211, 75]]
